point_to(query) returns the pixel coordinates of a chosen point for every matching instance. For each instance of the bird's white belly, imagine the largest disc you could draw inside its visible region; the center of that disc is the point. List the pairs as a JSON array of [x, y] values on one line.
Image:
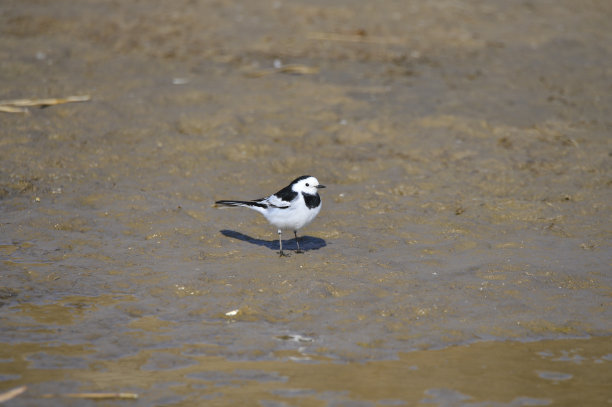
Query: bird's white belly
[[292, 218]]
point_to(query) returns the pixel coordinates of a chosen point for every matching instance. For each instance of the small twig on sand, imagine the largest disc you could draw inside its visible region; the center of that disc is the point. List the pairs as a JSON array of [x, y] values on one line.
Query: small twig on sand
[[354, 38], [20, 105], [97, 396], [11, 109], [11, 394], [294, 69]]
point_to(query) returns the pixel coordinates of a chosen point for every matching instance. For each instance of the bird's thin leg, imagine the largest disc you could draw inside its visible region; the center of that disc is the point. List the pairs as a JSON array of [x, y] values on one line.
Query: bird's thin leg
[[280, 243], [297, 242]]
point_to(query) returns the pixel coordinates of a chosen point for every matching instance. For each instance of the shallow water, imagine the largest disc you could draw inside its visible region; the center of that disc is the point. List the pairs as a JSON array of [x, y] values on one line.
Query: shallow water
[[462, 255], [560, 372]]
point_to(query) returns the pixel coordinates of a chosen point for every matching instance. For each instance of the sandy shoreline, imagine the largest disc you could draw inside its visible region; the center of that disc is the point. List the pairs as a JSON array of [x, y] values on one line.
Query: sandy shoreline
[[465, 145]]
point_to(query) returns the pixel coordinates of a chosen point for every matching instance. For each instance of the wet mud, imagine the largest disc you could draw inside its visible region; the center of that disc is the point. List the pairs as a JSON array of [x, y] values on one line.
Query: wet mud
[[462, 254]]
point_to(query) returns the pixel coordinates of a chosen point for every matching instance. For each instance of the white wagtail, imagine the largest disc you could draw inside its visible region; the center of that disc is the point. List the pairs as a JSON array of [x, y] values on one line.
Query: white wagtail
[[293, 207]]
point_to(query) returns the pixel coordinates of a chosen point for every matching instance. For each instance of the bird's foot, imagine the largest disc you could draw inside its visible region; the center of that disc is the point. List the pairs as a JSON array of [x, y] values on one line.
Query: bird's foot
[[283, 254], [299, 251]]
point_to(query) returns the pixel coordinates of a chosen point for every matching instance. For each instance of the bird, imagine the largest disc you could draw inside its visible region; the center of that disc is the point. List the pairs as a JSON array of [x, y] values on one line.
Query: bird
[[293, 207]]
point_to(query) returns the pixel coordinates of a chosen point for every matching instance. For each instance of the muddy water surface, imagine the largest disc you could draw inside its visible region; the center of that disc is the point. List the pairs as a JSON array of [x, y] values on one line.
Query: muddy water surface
[[462, 255]]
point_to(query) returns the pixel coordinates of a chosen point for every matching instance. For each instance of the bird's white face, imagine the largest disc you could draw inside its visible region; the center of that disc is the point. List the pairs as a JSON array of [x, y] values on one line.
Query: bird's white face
[[308, 185]]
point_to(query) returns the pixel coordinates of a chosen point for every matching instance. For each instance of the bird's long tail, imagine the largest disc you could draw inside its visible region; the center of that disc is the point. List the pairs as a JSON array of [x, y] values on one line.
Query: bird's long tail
[[249, 204]]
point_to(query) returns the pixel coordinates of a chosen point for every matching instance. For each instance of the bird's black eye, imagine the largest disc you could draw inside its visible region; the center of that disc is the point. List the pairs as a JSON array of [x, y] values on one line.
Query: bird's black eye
[[307, 184]]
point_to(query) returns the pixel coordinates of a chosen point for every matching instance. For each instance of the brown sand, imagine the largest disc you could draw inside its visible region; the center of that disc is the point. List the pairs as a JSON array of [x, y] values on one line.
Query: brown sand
[[467, 152]]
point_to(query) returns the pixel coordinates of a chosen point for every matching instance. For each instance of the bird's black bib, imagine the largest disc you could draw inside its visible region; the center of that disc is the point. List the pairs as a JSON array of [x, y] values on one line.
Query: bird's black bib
[[312, 201]]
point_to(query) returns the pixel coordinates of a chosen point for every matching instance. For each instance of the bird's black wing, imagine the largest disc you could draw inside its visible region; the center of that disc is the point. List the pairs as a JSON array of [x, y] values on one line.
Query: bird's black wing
[[286, 194], [282, 199]]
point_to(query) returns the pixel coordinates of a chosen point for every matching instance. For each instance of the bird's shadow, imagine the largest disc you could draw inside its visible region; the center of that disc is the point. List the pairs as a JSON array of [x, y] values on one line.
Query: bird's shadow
[[306, 242]]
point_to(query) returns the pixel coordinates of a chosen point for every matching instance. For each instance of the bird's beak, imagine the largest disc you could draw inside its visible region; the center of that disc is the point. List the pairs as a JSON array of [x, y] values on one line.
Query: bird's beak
[[320, 186]]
